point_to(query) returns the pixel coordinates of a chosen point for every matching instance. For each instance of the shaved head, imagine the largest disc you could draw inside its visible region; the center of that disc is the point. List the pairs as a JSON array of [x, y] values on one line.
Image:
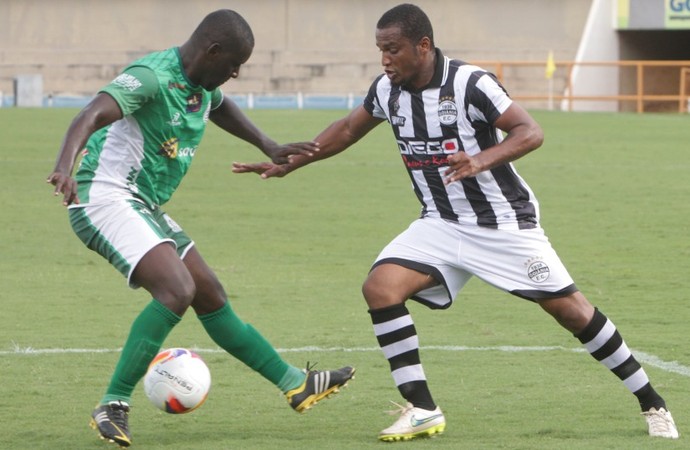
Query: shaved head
[[227, 28], [219, 45]]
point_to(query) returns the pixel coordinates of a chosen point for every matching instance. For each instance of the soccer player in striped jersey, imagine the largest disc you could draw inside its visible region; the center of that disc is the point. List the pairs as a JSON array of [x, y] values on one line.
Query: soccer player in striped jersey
[[140, 134], [479, 217]]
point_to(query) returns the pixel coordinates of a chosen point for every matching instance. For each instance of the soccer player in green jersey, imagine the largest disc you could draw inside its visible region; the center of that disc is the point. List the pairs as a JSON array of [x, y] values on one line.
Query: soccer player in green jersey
[[138, 137]]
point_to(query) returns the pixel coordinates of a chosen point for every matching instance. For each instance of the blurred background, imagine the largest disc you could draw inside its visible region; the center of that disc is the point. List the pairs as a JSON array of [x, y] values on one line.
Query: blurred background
[[611, 55]]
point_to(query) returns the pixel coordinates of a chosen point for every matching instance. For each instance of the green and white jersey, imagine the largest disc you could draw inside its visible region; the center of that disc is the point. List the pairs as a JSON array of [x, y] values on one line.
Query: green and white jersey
[[145, 155]]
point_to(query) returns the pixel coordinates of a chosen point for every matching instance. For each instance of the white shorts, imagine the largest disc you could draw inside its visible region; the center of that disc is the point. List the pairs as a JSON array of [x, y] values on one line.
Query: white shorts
[[521, 262], [124, 231]]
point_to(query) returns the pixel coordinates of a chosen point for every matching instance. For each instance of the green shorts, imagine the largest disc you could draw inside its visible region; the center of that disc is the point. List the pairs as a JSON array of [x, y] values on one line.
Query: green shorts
[[124, 231]]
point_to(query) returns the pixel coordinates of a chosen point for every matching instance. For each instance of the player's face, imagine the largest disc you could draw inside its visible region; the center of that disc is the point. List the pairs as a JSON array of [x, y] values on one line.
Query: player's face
[[222, 66], [400, 57]]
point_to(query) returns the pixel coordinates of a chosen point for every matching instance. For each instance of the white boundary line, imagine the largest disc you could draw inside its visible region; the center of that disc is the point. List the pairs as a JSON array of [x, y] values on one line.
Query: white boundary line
[[646, 358]]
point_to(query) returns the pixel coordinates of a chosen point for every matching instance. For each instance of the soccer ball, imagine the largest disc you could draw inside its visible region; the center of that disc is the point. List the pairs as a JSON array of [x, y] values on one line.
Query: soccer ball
[[177, 381]]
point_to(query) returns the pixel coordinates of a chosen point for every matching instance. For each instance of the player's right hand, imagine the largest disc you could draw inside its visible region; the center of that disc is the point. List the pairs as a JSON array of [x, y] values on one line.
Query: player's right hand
[[265, 169], [280, 154], [66, 185]]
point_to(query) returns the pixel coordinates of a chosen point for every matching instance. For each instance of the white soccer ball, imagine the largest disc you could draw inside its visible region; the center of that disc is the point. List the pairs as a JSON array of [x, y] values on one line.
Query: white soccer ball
[[177, 381]]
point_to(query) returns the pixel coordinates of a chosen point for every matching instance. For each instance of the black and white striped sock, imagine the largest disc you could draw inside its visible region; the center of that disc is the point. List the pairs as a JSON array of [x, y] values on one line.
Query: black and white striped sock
[[397, 337], [603, 341]]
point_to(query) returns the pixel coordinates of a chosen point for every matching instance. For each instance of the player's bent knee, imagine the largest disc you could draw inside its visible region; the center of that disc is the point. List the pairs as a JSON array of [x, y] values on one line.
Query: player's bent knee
[[378, 297], [176, 298]]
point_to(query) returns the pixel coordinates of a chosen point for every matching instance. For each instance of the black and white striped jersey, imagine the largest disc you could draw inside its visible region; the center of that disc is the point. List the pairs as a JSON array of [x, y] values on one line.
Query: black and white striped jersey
[[455, 112]]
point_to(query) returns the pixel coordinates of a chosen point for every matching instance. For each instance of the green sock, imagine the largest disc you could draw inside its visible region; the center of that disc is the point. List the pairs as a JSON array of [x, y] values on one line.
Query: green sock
[[148, 332], [292, 379], [243, 342]]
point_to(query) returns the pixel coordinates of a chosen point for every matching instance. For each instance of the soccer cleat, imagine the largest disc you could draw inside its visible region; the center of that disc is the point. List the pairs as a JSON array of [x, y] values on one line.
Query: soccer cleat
[[660, 423], [414, 423], [111, 422], [317, 386]]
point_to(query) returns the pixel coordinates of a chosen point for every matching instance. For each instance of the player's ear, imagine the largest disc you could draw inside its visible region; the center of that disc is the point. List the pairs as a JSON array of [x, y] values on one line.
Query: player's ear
[[214, 49], [425, 44]]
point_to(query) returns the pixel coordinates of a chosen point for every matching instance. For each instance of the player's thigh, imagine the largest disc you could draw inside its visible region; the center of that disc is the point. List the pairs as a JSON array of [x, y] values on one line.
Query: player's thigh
[[429, 247], [521, 262], [210, 294], [161, 272], [124, 232], [389, 284]]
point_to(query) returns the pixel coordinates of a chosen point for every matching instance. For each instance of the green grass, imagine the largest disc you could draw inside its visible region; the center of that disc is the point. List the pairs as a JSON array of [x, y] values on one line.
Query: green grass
[[292, 254]]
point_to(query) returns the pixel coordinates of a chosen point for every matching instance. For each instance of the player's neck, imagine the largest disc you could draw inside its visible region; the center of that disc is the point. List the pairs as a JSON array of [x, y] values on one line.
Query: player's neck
[[426, 72], [187, 55]]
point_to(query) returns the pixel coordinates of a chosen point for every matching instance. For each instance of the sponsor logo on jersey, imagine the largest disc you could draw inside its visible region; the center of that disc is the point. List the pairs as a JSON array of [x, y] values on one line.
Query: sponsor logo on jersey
[[169, 148], [175, 120], [186, 151], [127, 82], [398, 121], [446, 147], [434, 161], [194, 103], [447, 111], [420, 154]]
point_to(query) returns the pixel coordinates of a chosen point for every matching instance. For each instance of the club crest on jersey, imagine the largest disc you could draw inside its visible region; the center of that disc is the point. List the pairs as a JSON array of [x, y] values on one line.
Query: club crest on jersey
[[194, 103], [447, 112], [169, 148]]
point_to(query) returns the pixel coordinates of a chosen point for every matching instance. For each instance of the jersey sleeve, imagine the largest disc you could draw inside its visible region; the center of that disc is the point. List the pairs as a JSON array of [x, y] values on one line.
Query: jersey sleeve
[[489, 99], [371, 102], [133, 88]]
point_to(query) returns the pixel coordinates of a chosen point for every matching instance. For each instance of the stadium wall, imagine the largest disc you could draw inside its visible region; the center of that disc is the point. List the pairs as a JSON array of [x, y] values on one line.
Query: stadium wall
[[309, 46], [599, 43]]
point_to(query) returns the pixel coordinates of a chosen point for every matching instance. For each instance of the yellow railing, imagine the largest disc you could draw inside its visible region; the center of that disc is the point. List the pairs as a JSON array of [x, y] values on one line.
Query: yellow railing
[[643, 86]]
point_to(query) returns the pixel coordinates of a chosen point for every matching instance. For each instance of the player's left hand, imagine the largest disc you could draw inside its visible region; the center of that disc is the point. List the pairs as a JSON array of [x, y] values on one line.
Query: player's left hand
[[461, 166], [265, 169], [279, 153], [66, 185]]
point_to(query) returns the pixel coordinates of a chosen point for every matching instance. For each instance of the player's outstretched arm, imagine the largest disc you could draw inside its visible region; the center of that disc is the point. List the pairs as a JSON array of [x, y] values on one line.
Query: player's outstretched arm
[[337, 137], [101, 111], [230, 118]]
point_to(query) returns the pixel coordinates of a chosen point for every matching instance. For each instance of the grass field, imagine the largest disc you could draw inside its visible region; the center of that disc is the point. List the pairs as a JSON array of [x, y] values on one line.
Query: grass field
[[292, 254]]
